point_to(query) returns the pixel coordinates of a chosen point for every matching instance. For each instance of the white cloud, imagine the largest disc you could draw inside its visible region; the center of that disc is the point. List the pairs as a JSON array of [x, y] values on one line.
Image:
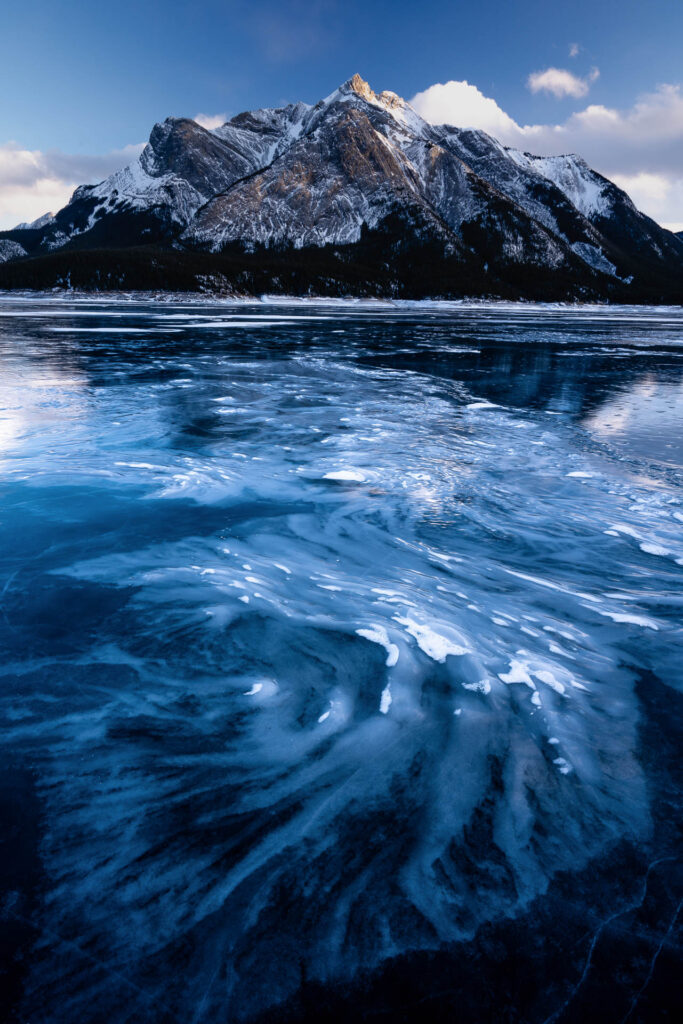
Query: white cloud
[[574, 50], [561, 83], [27, 203], [210, 121], [641, 146], [645, 188], [659, 195], [33, 182], [463, 104]]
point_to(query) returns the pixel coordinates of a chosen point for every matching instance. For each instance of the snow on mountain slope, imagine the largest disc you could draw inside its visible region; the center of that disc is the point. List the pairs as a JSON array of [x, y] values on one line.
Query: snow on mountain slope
[[258, 136], [35, 225], [10, 250], [584, 188], [610, 211], [185, 164], [594, 257], [520, 181]]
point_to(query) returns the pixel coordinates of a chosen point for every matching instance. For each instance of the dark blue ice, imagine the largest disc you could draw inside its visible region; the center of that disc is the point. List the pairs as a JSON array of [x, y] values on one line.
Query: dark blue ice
[[320, 629]]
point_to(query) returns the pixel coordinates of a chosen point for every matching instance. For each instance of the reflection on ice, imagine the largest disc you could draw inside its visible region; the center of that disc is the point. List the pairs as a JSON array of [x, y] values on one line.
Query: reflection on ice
[[642, 417]]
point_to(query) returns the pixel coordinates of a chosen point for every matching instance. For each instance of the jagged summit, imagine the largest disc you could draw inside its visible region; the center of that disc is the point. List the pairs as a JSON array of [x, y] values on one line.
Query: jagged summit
[[362, 170], [359, 86], [356, 88]]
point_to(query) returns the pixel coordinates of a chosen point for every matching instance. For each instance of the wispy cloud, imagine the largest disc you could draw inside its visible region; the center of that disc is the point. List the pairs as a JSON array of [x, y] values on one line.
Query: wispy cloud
[[35, 181], [211, 121], [574, 49], [640, 147], [561, 82]]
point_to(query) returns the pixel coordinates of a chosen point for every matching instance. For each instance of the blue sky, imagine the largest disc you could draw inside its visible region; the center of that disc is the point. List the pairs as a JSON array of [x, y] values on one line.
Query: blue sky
[[84, 80]]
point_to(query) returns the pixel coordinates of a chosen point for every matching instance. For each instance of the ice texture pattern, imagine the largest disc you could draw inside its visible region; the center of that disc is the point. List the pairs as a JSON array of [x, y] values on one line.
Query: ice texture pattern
[[321, 627]]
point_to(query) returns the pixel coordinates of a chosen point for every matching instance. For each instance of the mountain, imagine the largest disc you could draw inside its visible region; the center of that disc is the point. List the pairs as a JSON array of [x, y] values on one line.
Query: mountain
[[356, 194], [39, 222]]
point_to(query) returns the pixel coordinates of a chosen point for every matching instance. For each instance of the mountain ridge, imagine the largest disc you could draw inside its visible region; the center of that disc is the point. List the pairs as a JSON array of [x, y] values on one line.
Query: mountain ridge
[[362, 178]]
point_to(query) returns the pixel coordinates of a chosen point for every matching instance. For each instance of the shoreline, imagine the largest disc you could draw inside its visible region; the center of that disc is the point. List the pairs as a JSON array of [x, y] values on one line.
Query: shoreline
[[59, 295]]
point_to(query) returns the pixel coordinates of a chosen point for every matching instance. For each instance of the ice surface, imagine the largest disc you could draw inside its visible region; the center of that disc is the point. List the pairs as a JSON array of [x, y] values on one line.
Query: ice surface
[[278, 715]]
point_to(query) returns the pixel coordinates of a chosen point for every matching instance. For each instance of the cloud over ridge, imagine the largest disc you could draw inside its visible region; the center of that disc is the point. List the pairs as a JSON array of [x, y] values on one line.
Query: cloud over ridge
[[211, 121], [640, 147]]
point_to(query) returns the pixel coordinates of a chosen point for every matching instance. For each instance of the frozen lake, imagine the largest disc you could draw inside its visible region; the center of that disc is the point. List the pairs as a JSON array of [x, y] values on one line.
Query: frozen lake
[[341, 660]]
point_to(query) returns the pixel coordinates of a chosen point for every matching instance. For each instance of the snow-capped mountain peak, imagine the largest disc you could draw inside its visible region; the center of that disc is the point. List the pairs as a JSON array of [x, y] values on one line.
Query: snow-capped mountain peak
[[37, 224], [359, 86], [356, 88], [361, 168]]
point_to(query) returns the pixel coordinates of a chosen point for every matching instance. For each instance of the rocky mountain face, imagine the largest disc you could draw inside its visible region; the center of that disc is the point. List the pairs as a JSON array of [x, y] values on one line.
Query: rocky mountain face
[[356, 193]]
